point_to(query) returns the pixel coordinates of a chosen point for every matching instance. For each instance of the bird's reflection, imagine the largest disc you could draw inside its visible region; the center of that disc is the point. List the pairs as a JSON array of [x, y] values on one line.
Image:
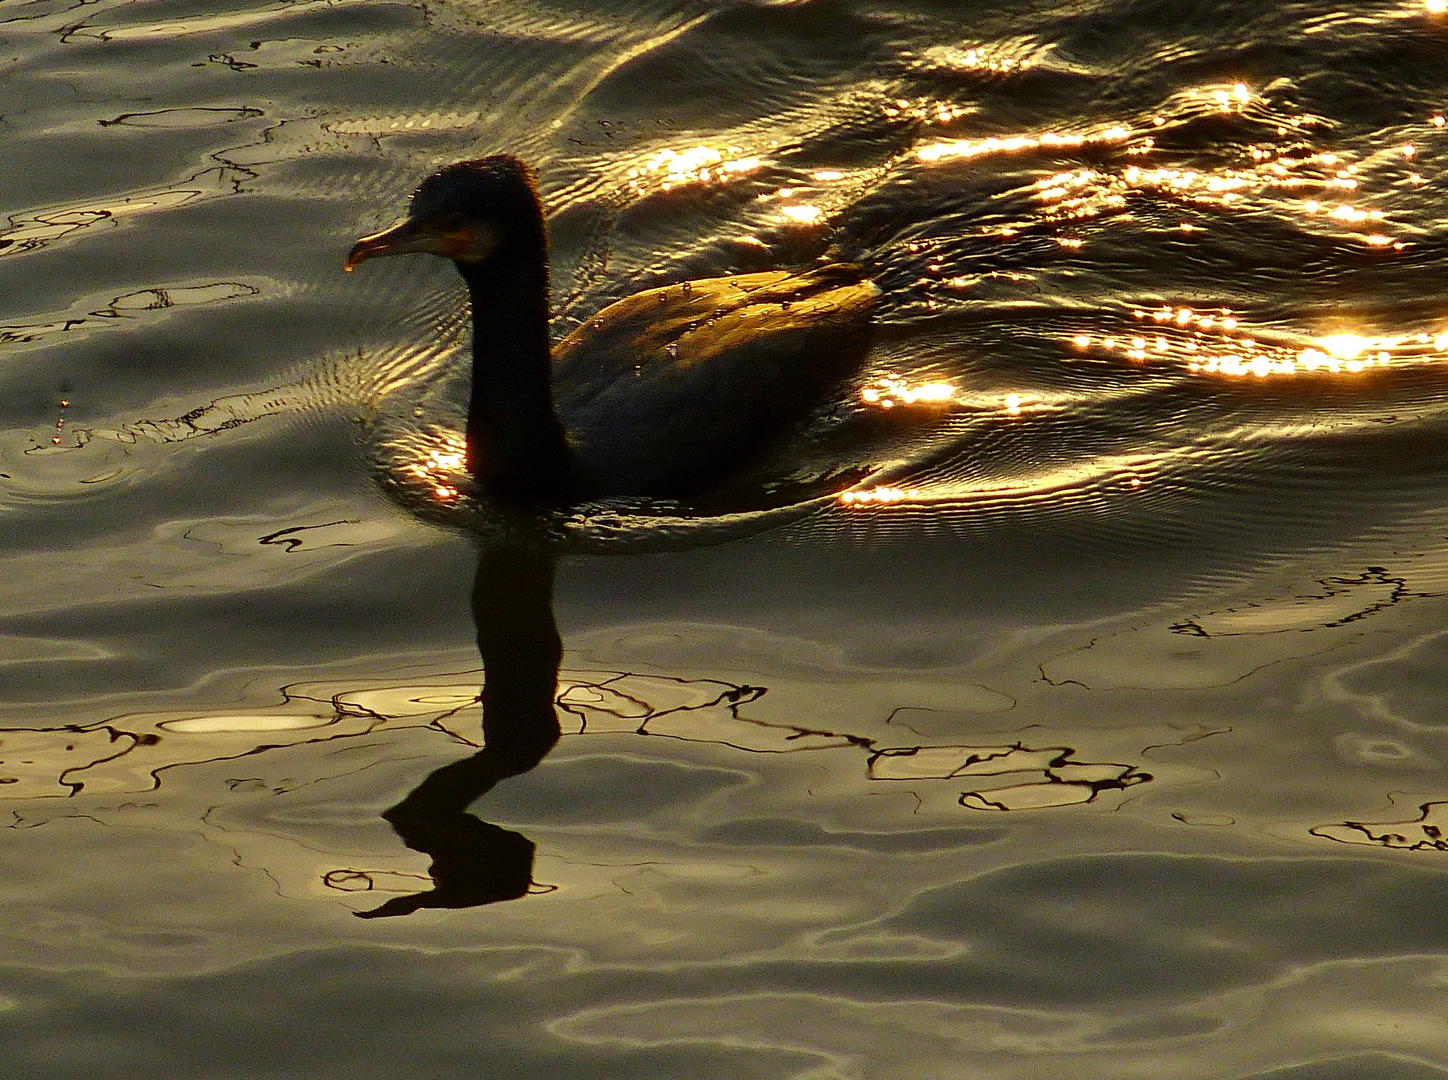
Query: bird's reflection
[[474, 862]]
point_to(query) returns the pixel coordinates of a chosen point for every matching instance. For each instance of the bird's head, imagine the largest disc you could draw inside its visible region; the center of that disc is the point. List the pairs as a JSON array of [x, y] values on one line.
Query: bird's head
[[467, 212]]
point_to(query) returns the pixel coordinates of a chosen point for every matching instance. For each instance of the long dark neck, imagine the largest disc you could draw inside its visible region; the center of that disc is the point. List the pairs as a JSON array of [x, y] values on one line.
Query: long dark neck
[[517, 448]]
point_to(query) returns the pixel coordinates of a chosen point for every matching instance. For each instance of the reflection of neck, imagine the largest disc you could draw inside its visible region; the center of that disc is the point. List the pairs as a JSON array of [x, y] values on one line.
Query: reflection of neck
[[475, 862], [516, 444], [521, 650], [518, 638]]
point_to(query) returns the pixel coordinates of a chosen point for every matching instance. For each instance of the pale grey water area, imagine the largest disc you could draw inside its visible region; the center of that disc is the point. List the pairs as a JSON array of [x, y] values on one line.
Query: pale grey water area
[[1064, 699]]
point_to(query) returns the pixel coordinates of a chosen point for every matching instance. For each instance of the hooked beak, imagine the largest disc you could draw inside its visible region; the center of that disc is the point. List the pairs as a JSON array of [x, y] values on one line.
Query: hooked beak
[[460, 245]]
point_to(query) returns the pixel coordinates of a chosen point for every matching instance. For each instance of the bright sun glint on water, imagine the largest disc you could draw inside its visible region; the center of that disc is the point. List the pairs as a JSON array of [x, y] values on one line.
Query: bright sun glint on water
[[443, 468], [1216, 343], [878, 496], [667, 169], [890, 390]]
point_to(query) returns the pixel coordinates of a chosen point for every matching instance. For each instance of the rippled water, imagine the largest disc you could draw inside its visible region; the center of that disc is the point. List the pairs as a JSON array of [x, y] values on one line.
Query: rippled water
[[1062, 699]]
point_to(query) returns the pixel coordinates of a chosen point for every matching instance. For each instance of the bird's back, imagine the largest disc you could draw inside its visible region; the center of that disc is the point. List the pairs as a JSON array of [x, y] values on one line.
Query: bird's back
[[671, 389]]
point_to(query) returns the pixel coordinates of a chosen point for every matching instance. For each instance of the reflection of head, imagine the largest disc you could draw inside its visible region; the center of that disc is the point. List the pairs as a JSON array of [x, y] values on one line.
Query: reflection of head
[[473, 863]]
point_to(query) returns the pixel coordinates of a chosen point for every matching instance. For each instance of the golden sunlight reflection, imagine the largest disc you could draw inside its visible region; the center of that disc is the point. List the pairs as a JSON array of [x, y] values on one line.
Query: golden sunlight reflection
[[1437, 7], [926, 110], [1236, 96], [405, 122], [1215, 342], [971, 148], [1123, 475], [1332, 187], [890, 390], [1339, 190], [879, 496], [667, 169], [992, 58], [804, 213], [442, 469], [801, 213], [208, 725], [1088, 191]]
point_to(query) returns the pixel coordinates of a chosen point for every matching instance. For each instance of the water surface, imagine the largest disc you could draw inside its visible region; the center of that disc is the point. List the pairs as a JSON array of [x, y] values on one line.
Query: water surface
[[1063, 698]]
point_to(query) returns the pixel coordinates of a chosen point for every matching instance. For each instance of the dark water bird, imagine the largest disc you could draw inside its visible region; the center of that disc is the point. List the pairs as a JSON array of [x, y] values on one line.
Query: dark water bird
[[665, 393]]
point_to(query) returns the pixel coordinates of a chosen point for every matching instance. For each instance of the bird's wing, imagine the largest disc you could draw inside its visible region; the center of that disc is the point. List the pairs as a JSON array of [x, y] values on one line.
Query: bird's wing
[[682, 326], [673, 385]]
